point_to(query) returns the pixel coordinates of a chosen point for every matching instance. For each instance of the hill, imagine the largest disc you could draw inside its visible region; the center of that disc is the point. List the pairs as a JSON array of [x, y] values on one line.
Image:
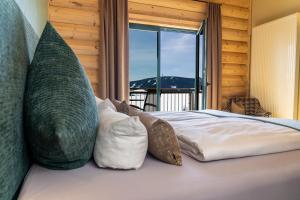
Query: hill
[[166, 82]]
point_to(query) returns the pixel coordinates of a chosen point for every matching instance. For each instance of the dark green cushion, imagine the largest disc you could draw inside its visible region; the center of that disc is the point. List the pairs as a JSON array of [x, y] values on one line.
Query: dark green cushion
[[60, 109], [14, 60]]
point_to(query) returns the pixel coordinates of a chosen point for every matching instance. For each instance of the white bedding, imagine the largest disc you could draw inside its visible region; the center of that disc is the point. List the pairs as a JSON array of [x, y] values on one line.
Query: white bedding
[[207, 138], [254, 178]]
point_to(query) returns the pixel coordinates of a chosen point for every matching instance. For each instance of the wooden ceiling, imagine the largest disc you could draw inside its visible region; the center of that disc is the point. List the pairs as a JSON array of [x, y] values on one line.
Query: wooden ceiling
[[168, 13]]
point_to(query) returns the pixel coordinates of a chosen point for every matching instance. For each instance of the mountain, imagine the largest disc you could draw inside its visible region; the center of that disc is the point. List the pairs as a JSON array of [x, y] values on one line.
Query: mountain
[[166, 82]]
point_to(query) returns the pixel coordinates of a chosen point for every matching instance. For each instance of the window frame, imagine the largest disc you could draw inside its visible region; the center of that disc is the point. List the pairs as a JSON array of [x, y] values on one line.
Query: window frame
[[158, 30]]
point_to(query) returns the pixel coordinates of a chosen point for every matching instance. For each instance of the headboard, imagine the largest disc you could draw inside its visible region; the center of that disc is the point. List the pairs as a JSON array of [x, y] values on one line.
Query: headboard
[[17, 45]]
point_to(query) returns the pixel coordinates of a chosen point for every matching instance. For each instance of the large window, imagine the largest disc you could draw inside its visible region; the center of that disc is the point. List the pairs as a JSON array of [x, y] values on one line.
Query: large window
[[164, 71]]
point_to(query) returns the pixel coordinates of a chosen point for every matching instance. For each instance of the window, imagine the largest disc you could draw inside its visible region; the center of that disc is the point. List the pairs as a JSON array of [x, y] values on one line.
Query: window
[[164, 69]]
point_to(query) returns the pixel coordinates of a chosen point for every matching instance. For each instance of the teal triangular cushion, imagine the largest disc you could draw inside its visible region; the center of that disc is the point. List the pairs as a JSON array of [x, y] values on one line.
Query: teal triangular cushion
[[60, 110]]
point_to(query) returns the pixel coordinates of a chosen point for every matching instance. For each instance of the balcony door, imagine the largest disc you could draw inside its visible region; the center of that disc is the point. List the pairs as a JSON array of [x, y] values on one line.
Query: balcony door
[[165, 69]]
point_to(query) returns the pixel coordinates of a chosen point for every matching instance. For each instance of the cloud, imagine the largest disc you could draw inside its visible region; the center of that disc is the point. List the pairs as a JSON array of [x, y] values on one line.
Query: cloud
[[178, 55], [178, 42]]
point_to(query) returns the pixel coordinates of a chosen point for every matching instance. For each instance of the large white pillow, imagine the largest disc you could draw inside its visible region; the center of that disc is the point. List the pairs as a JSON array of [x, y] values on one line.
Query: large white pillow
[[122, 141]]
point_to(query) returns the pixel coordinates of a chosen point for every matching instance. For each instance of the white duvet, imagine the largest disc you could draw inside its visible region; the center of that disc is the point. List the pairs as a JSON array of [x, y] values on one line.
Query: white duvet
[[207, 138]]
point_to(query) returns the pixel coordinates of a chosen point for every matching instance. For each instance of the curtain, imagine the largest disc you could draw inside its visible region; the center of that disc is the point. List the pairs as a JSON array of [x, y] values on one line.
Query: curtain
[[214, 56], [113, 72]]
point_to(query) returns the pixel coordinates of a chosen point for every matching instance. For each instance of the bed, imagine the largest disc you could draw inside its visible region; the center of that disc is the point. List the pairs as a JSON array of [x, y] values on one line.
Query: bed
[[268, 177]]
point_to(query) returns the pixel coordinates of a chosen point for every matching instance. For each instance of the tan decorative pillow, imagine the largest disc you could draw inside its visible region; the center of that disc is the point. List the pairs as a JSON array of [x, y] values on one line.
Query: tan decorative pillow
[[124, 108], [238, 108], [162, 141], [116, 103], [121, 107], [132, 111]]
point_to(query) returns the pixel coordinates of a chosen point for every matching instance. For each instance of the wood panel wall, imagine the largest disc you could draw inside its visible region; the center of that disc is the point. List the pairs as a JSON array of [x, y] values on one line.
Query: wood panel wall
[[168, 13], [236, 30], [77, 21]]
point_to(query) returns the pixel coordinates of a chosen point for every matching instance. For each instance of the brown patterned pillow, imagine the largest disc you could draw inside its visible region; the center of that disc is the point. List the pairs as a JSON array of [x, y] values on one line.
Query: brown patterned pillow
[[238, 108], [116, 103], [162, 141], [122, 107]]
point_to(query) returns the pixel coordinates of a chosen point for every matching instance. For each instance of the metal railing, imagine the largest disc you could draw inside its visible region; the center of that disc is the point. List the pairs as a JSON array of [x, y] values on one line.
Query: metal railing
[[171, 99]]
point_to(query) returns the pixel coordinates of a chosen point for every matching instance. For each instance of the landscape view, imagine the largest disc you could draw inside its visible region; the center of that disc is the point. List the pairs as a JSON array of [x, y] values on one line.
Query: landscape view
[[177, 69]]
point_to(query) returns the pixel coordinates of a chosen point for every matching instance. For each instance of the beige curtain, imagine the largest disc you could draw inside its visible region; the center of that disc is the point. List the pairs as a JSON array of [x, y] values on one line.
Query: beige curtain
[[113, 73], [214, 56]]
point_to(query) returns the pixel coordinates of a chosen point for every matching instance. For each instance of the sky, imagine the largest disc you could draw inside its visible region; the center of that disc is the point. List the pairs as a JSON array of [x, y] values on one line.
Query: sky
[[177, 54]]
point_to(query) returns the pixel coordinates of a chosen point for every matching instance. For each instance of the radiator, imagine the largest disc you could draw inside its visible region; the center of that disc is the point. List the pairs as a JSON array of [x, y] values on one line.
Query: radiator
[[275, 66]]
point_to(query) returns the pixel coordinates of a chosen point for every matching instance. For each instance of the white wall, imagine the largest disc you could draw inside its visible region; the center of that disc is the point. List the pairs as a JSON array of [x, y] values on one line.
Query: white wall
[[267, 10], [36, 12], [275, 66]]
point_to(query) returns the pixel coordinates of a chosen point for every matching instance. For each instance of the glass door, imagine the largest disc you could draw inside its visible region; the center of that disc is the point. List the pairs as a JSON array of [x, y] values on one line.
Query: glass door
[[166, 68], [178, 56], [143, 62]]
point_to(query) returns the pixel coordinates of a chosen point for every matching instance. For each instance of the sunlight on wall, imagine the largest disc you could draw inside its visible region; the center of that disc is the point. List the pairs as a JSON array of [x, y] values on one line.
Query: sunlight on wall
[[36, 12]]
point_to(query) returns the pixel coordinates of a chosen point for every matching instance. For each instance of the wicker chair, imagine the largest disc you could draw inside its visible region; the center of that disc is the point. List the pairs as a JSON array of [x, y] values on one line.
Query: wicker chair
[[252, 106]]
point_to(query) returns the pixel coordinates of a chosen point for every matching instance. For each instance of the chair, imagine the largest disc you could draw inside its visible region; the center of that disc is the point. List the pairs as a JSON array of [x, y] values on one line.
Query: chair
[[251, 105], [149, 104]]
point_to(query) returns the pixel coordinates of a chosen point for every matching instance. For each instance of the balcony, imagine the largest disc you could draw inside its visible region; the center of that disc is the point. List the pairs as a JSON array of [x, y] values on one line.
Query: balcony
[[171, 99]]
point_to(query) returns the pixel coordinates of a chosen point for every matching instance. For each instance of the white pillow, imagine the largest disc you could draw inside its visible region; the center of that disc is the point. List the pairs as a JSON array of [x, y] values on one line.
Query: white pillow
[[98, 100], [105, 104], [122, 141]]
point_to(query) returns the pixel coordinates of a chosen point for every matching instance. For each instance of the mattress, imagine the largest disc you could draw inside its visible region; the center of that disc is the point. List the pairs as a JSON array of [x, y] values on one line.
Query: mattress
[[268, 177]]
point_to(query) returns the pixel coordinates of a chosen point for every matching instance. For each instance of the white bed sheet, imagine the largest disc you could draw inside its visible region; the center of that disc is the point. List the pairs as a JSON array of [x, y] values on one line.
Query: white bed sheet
[[207, 138], [269, 177]]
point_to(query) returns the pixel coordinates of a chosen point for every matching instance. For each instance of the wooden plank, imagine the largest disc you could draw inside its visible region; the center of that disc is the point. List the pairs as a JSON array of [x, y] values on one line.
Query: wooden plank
[[233, 46], [166, 25], [77, 4], [188, 5], [84, 47], [164, 22], [236, 12], [158, 11], [239, 3], [235, 35], [89, 61], [93, 75], [80, 32], [234, 58], [96, 89], [73, 16], [234, 69], [233, 91], [235, 23], [233, 81]]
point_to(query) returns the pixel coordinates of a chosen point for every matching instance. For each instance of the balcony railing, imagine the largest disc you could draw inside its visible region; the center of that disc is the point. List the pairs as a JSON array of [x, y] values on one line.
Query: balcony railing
[[171, 99]]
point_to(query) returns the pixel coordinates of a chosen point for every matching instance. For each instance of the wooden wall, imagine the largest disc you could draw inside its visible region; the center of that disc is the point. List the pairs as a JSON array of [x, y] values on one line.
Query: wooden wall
[[77, 21], [236, 30], [168, 13]]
